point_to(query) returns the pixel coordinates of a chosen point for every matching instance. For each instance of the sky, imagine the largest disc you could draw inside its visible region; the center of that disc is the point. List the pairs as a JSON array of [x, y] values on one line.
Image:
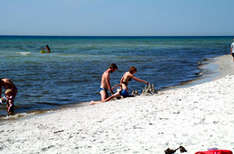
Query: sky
[[117, 17]]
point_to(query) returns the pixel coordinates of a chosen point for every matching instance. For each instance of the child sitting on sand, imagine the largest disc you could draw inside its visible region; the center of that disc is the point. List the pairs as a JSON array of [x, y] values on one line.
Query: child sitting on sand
[[123, 91], [8, 98]]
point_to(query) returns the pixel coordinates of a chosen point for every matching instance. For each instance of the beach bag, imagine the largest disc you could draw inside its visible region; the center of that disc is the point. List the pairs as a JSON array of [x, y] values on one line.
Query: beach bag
[[215, 152]]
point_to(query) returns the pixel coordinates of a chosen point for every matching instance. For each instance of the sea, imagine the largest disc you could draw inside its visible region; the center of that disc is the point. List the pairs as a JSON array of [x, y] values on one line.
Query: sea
[[71, 73]]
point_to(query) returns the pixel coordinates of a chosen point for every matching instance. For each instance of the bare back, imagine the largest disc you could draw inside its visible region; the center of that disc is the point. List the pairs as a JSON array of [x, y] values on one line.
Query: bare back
[[124, 80], [8, 84], [127, 77]]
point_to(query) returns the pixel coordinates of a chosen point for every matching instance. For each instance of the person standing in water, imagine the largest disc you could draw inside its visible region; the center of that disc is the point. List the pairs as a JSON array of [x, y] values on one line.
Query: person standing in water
[[232, 49], [9, 100], [10, 93], [46, 49]]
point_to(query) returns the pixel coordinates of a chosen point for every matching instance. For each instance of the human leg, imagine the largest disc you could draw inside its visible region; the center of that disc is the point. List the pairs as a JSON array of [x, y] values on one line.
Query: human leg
[[117, 94], [124, 93], [104, 95], [10, 107]]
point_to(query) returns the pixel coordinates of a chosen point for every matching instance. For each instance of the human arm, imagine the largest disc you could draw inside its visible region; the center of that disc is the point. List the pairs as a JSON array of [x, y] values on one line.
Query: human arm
[[117, 85], [108, 84], [10, 106], [3, 100], [139, 80]]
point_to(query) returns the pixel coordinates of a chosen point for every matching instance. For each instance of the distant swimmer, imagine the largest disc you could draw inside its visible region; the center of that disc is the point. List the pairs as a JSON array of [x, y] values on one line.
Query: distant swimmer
[[10, 93], [232, 49], [46, 49], [105, 83]]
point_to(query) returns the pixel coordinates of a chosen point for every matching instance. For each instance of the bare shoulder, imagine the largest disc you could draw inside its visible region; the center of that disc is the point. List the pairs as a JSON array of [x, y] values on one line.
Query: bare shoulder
[[6, 80], [129, 75], [126, 74]]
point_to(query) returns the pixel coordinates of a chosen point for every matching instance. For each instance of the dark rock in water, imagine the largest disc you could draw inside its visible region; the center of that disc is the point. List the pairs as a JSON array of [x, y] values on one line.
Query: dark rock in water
[[149, 90]]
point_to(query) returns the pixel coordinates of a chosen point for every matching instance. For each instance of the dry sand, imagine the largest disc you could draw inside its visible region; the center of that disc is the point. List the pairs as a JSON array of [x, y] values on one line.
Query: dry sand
[[197, 117]]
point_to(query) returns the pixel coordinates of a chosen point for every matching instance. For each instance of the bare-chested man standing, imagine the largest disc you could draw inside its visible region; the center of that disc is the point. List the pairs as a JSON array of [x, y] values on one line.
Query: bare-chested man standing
[[105, 83]]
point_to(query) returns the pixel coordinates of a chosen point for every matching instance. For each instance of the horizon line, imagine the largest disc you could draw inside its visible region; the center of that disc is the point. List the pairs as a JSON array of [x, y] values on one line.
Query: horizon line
[[122, 35]]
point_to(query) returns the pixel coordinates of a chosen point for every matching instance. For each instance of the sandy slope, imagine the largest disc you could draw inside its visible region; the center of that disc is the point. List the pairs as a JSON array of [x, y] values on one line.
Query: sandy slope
[[197, 117]]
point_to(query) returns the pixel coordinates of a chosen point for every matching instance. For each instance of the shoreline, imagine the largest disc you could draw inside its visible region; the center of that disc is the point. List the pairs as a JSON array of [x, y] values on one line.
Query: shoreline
[[197, 117], [208, 69], [211, 70]]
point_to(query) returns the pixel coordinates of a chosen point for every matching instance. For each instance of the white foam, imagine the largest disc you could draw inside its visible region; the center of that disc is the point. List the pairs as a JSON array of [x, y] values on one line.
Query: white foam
[[24, 53]]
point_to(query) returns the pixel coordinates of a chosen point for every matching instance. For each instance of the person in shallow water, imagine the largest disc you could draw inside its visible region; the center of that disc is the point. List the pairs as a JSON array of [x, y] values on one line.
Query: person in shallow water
[[123, 91], [46, 49], [8, 98], [105, 82], [10, 93]]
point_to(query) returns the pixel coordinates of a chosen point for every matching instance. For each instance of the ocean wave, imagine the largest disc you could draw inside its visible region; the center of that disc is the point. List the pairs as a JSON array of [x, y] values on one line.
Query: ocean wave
[[24, 53]]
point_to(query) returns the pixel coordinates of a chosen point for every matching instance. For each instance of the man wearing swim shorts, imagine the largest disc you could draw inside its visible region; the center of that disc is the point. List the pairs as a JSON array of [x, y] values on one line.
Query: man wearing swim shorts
[[232, 49], [105, 82]]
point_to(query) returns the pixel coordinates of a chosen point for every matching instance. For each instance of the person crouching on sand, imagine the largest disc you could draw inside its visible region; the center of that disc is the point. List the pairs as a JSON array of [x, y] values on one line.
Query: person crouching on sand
[[10, 94], [123, 91], [105, 82]]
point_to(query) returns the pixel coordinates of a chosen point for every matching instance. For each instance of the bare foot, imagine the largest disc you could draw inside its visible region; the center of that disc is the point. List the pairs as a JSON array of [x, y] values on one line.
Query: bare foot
[[92, 103], [95, 102]]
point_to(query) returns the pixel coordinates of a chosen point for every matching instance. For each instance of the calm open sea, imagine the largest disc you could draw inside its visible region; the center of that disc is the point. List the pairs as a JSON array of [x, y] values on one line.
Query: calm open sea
[[72, 72]]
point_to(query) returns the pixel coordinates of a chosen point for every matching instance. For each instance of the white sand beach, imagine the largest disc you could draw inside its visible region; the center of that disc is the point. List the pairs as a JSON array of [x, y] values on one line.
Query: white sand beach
[[197, 117]]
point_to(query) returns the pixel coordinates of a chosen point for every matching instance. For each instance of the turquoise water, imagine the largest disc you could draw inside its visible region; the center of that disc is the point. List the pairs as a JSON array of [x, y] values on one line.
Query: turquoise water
[[72, 72]]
